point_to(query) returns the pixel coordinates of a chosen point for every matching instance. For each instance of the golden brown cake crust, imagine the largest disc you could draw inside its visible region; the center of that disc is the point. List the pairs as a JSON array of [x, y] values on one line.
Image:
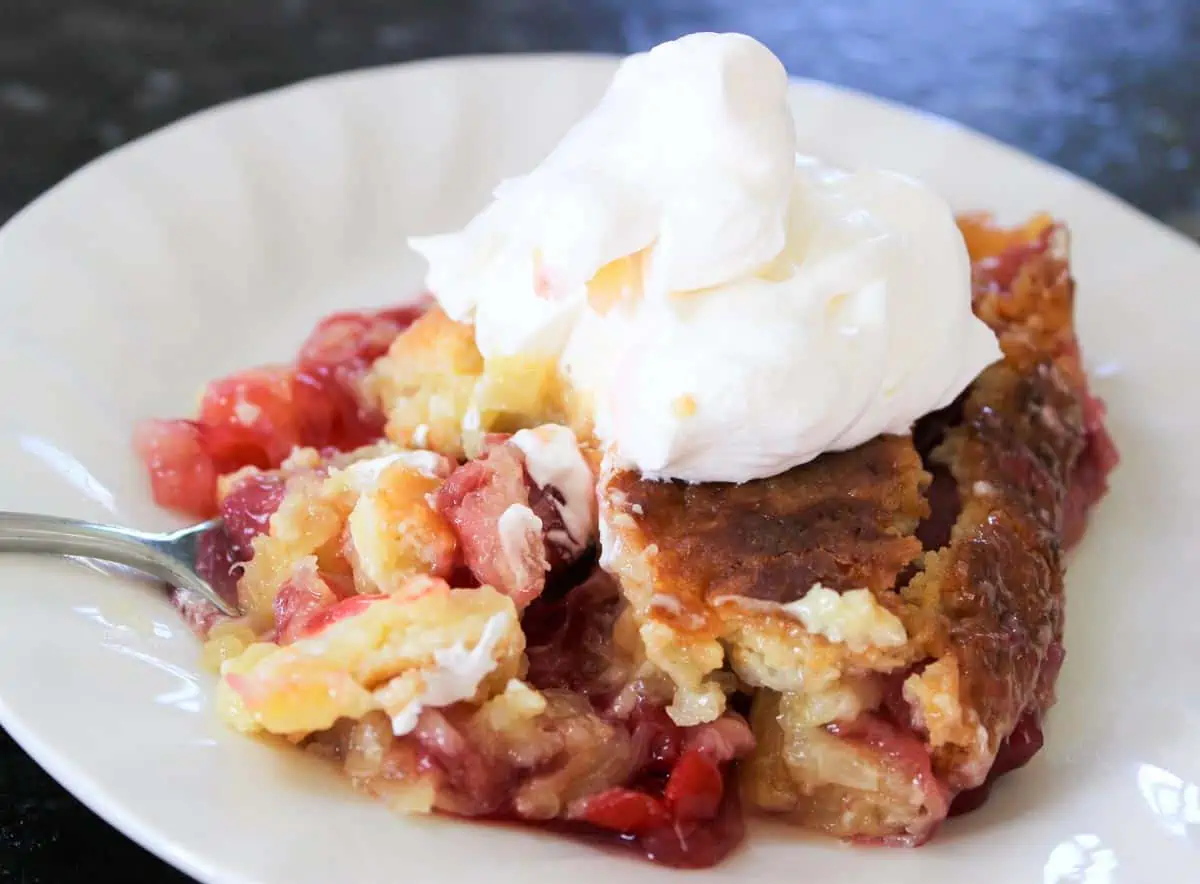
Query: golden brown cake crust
[[710, 568], [993, 599], [845, 521]]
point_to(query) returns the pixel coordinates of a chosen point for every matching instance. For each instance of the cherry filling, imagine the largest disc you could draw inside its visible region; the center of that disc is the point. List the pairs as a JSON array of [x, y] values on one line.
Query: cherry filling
[[247, 509], [1016, 751], [475, 500], [219, 561], [569, 640], [905, 752], [692, 819], [256, 417], [221, 552], [680, 806]]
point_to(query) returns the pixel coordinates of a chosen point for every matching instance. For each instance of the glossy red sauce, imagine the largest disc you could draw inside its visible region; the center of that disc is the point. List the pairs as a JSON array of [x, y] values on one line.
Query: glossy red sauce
[[681, 807]]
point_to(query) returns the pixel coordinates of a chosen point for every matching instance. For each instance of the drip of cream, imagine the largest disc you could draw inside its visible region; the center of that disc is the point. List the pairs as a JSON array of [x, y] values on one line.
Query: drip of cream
[[553, 460]]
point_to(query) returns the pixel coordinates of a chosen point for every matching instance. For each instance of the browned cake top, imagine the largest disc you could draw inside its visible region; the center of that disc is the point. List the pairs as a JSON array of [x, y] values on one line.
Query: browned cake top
[[845, 521], [994, 596]]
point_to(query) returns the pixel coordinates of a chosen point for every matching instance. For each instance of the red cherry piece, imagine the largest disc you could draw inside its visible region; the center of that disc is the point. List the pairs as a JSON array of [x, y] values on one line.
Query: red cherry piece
[[256, 417], [248, 507], [356, 338], [697, 844], [662, 738], [251, 414], [218, 561], [627, 812], [695, 787], [182, 474], [472, 500], [335, 339], [332, 362], [326, 617], [328, 410], [302, 597]]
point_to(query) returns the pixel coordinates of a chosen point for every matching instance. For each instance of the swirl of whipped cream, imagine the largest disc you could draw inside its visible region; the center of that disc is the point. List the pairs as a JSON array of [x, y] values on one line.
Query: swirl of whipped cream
[[728, 309]]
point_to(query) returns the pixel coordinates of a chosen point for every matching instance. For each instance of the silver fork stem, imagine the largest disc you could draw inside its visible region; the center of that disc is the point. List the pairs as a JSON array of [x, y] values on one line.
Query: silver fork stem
[[170, 557]]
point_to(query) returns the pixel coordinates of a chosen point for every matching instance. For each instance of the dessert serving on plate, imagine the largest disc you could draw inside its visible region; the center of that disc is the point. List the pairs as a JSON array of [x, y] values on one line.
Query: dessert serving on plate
[[712, 479]]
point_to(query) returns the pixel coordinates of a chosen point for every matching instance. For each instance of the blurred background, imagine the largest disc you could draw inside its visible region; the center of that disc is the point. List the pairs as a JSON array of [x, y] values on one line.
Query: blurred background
[[1109, 89]]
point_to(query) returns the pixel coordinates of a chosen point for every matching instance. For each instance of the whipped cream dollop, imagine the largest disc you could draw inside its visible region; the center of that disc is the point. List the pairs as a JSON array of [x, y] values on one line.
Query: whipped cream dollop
[[727, 309]]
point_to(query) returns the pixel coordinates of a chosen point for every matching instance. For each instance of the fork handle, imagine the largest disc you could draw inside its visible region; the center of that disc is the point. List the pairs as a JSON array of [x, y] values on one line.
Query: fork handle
[[159, 555]]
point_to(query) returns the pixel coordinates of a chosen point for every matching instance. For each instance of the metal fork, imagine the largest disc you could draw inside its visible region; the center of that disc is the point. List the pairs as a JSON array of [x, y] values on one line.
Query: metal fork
[[170, 557]]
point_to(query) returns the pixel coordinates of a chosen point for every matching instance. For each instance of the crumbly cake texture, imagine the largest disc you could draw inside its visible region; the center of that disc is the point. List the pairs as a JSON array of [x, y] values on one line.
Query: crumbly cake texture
[[427, 611], [394, 623], [872, 741], [720, 573], [438, 392]]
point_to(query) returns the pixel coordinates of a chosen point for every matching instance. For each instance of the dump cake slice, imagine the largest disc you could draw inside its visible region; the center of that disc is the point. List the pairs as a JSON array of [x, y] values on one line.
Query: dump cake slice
[[845, 599], [697, 428]]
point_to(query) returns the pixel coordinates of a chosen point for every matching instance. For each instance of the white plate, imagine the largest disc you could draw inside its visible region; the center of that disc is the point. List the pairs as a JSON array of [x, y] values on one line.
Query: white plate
[[218, 242]]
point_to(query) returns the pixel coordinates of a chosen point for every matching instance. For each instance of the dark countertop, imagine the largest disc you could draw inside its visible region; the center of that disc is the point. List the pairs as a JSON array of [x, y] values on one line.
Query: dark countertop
[[1107, 88]]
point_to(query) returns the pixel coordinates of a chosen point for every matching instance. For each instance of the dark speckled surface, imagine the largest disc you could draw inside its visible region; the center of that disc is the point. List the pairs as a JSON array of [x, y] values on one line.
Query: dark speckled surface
[[1107, 88]]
